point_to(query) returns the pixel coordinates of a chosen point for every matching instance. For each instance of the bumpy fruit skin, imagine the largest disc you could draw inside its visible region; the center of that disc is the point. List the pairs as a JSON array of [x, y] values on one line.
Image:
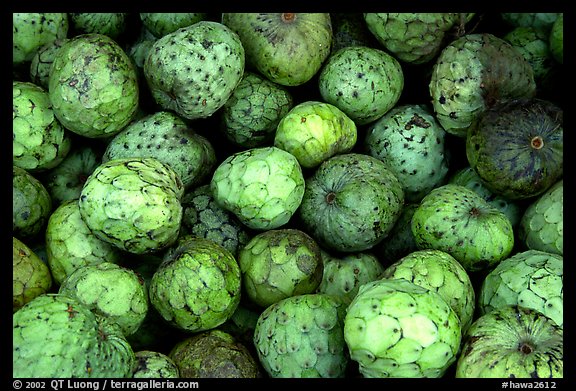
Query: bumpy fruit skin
[[194, 70], [280, 263], [395, 328], [302, 337], [42, 62], [160, 24], [351, 202], [165, 136], [93, 86], [363, 82], [250, 116], [539, 20], [112, 24], [262, 186], [31, 204], [556, 39], [517, 147], [454, 219], [110, 290], [56, 336], [154, 365], [30, 276], [534, 45], [32, 30], [197, 285], [530, 279], [512, 342], [314, 131], [542, 224], [350, 29], [134, 204], [214, 354], [442, 273], [471, 74], [287, 48], [39, 141], [410, 141]]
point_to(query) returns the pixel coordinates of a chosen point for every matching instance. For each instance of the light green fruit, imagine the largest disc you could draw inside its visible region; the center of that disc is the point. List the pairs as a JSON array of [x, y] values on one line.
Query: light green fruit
[[30, 31], [154, 365], [160, 24], [30, 275], [363, 82], [314, 131], [556, 39], [262, 186], [395, 328], [56, 336], [31, 204], [530, 279], [133, 204], [112, 24], [302, 337], [42, 62]]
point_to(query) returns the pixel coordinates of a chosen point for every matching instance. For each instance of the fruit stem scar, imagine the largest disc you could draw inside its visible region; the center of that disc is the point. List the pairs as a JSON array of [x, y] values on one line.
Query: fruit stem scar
[[330, 197], [537, 142], [288, 17]]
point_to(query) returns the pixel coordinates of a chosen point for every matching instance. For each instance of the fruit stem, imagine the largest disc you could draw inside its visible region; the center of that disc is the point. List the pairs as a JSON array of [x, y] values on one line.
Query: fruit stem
[[537, 142]]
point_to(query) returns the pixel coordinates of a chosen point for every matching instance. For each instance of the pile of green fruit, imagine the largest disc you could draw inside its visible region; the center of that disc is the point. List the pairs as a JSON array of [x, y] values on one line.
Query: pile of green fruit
[[303, 195]]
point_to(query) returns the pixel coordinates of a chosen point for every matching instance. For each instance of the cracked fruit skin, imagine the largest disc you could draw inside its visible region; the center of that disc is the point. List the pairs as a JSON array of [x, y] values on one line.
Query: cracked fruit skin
[[512, 342], [56, 336], [197, 285], [395, 328], [351, 202], [302, 337], [530, 279], [93, 86], [457, 220], [30, 275], [134, 204], [262, 186]]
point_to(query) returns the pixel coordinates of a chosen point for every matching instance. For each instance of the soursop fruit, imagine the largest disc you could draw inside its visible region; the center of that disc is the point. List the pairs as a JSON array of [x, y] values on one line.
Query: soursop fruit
[[42, 62], [30, 31], [160, 24], [410, 141], [30, 275], [363, 82], [56, 336], [262, 186], [542, 224], [455, 219], [194, 70], [530, 279], [154, 365], [31, 204], [112, 24], [302, 337], [314, 131], [395, 328]]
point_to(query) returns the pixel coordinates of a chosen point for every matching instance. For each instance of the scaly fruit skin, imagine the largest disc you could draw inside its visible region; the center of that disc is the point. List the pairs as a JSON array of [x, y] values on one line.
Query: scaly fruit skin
[[287, 48], [107, 23], [542, 224], [410, 141], [363, 82], [454, 219], [93, 86], [351, 202], [280, 263], [214, 354], [133, 204], [302, 337], [110, 290], [517, 147], [30, 276], [533, 44], [197, 285], [395, 328], [539, 20], [31, 204], [32, 30], [160, 24], [56, 336], [194, 70], [471, 74], [512, 342], [314, 131], [42, 62], [556, 39], [165, 136], [154, 365], [262, 186], [530, 279], [39, 141]]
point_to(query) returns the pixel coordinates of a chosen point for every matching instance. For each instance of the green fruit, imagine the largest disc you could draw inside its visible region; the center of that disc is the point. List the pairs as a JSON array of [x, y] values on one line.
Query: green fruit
[[262, 186], [395, 328], [556, 39], [530, 279], [517, 147], [280, 263], [30, 276], [93, 86], [533, 44], [454, 219], [154, 365], [56, 336], [302, 336], [194, 70], [512, 342], [287, 48], [107, 23], [133, 204], [30, 31], [197, 285], [400, 241], [314, 131], [42, 62], [161, 24], [539, 20], [31, 204], [350, 29], [351, 202]]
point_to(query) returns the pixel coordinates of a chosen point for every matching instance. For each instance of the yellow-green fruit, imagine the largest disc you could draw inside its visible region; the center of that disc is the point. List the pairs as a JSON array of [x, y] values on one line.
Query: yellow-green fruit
[[30, 276]]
